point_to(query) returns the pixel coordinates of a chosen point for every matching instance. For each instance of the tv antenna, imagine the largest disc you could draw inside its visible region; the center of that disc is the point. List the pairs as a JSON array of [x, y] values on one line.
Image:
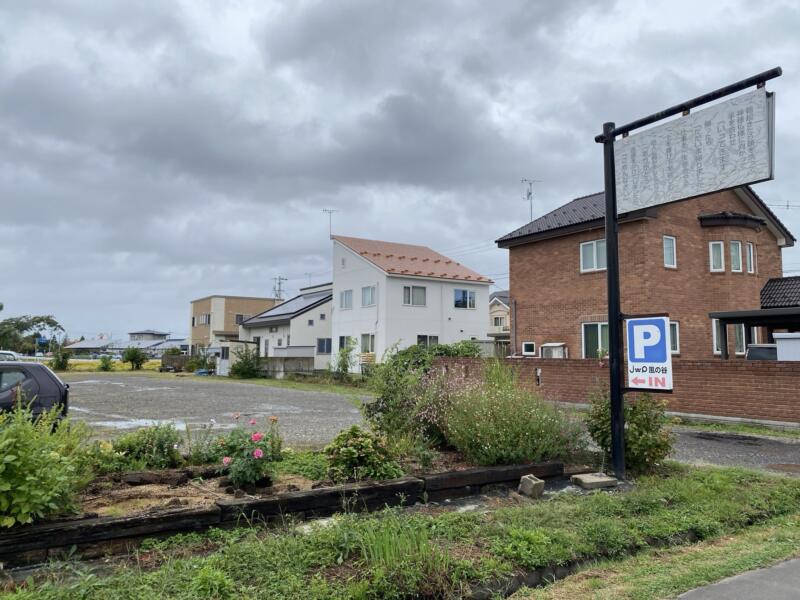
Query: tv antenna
[[529, 192], [330, 212], [277, 289]]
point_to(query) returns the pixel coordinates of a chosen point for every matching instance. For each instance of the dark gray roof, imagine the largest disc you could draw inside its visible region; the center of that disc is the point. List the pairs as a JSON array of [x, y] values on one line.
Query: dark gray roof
[[289, 309], [581, 210], [781, 292], [501, 295], [149, 331]]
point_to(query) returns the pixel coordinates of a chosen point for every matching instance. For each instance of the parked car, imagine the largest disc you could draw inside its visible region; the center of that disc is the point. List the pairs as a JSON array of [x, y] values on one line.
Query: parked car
[[40, 386], [8, 355]]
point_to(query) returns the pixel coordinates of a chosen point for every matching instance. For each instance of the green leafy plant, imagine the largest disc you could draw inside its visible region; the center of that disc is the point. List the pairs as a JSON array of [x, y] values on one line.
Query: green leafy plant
[[648, 440], [345, 360], [60, 360], [41, 465], [101, 456], [135, 356], [106, 363], [153, 447], [247, 364], [248, 457], [356, 454], [496, 421]]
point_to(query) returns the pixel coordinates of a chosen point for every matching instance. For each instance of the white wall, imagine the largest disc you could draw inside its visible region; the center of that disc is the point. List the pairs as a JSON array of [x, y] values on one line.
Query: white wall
[[217, 319], [391, 321]]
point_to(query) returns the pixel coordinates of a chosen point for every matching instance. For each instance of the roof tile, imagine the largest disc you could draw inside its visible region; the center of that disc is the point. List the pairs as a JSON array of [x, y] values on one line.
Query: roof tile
[[781, 292]]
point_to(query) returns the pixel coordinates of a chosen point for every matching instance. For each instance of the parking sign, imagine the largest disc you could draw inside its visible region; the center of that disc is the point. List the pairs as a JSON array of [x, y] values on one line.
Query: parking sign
[[649, 357]]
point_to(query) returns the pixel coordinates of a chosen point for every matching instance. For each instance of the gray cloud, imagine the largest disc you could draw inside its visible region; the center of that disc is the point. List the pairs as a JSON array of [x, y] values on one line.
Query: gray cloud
[[152, 153]]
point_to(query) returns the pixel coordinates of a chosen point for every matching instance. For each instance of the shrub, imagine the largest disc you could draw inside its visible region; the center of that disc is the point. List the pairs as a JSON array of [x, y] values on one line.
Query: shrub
[[397, 379], [41, 465], [102, 458], [248, 457], [356, 454], [135, 356], [345, 360], [106, 363], [60, 360], [495, 421], [647, 440], [153, 447], [247, 365]]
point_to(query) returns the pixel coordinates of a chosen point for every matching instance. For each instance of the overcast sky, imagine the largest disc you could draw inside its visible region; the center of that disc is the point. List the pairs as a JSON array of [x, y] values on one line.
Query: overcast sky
[[156, 152]]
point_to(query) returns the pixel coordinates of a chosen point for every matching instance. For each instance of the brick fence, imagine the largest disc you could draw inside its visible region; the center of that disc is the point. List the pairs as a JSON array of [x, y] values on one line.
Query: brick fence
[[765, 390]]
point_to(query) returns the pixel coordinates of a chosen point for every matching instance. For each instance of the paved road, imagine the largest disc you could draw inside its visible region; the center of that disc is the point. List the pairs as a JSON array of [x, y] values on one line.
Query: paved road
[[731, 449], [122, 402], [781, 582]]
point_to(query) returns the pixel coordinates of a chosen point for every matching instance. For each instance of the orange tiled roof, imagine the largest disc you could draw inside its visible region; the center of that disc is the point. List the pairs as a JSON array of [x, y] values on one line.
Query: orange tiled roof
[[410, 260]]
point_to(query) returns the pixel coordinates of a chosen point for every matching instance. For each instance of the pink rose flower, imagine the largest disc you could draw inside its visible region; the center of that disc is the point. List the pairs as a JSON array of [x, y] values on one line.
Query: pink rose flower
[[252, 421], [258, 453], [257, 436], [226, 460]]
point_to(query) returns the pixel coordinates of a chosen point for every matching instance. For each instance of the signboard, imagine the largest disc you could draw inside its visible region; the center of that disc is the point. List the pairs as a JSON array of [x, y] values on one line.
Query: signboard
[[724, 146], [649, 356]]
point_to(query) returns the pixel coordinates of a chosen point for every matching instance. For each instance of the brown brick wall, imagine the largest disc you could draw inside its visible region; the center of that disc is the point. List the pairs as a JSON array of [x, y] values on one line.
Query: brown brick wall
[[553, 297], [744, 389]]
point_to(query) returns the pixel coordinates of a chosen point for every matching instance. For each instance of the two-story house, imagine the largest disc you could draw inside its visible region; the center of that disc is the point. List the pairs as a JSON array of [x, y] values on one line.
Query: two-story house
[[297, 328], [687, 259], [500, 321], [216, 319], [395, 295]]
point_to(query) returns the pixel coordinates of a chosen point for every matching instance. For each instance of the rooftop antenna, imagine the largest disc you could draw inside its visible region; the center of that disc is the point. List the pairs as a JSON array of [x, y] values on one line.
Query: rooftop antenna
[[277, 289], [330, 212], [529, 193]]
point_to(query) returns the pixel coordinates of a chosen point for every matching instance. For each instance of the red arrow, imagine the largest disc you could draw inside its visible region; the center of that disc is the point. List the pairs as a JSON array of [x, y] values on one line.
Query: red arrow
[[637, 381]]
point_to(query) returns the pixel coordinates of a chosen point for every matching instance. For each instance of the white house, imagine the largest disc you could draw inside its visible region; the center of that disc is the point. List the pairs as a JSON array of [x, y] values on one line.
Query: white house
[[389, 294], [300, 327]]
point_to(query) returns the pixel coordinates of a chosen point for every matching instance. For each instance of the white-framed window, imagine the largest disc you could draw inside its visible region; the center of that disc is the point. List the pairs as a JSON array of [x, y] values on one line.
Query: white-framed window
[[368, 295], [323, 345], [716, 256], [750, 257], [427, 340], [593, 256], [346, 299], [463, 298], [414, 295], [715, 336], [736, 256], [529, 348], [367, 342], [670, 252], [343, 341], [738, 338], [595, 339], [311, 322], [674, 337], [499, 321]]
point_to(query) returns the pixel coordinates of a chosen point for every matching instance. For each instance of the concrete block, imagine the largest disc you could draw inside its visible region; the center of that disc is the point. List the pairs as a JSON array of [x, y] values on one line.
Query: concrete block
[[593, 481], [531, 486]]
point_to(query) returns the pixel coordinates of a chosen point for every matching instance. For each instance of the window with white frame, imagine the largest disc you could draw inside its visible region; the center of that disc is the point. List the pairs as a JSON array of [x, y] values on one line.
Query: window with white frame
[[414, 295], [499, 321], [716, 256], [736, 256], [463, 298], [368, 295], [674, 337], [367, 342], [593, 256], [323, 345], [345, 341], [346, 299], [311, 322], [716, 336], [738, 337], [595, 340], [427, 340], [670, 252], [750, 257]]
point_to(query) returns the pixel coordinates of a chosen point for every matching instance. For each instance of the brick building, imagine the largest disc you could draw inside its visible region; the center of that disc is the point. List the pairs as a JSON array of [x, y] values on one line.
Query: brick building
[[687, 258], [215, 319]]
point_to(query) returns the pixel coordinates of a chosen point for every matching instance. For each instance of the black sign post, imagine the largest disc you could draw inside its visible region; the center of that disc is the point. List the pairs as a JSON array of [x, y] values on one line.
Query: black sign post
[[615, 316]]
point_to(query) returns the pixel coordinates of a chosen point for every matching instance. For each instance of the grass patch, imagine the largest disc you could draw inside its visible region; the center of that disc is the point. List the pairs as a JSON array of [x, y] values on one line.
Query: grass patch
[[93, 366], [656, 574], [307, 463], [398, 555]]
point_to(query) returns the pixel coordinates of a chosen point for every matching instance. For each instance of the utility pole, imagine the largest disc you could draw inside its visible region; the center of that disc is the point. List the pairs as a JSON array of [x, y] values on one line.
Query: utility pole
[[529, 193], [330, 212], [277, 289]]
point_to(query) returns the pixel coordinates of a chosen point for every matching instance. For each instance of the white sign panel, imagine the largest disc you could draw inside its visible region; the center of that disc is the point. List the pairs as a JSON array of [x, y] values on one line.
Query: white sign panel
[[649, 356], [723, 146]]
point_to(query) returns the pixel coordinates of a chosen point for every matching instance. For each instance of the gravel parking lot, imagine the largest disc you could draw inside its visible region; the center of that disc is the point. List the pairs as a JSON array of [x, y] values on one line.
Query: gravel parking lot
[[118, 402]]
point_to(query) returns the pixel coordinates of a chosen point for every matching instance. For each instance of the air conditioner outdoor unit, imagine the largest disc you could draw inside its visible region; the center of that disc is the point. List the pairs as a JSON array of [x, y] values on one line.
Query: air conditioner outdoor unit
[[554, 350]]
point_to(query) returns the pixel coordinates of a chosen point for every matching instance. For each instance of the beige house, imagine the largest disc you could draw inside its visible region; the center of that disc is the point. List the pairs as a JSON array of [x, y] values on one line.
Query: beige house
[[216, 319], [500, 321]]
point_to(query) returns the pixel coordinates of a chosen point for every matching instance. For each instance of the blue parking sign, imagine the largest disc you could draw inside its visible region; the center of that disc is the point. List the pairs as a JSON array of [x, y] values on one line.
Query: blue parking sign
[[649, 356]]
